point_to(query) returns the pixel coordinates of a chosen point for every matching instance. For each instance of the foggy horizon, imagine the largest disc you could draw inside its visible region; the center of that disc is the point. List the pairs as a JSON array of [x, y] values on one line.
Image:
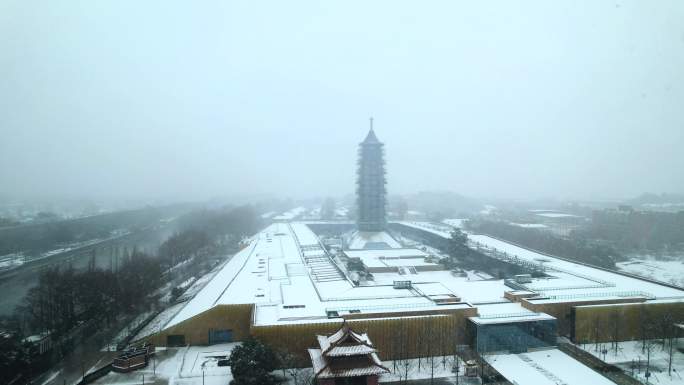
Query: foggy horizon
[[179, 101]]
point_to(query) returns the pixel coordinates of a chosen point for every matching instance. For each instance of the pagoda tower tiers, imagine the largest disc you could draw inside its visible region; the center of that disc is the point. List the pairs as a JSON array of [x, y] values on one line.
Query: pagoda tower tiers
[[370, 189], [346, 357]]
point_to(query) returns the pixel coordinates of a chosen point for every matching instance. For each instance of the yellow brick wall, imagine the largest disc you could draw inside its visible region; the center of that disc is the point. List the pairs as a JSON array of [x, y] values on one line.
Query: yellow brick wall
[[625, 322], [563, 310], [394, 337], [196, 329]]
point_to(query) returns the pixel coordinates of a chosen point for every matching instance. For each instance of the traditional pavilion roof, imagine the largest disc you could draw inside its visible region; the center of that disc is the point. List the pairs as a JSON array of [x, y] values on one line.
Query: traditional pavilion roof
[[339, 350], [364, 365], [345, 342], [345, 354]]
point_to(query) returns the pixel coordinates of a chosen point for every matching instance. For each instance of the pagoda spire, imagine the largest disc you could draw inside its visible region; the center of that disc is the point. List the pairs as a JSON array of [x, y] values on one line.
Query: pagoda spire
[[371, 138]]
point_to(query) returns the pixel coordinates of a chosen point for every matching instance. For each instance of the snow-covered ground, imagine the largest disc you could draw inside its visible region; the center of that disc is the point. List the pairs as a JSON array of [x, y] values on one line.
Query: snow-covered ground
[[188, 366], [632, 359], [665, 269], [11, 261], [455, 222], [159, 321], [123, 333], [182, 366], [51, 377], [431, 367]]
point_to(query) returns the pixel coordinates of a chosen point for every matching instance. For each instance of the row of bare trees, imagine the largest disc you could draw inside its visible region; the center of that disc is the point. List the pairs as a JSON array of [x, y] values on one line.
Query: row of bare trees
[[654, 330], [423, 347], [64, 297]]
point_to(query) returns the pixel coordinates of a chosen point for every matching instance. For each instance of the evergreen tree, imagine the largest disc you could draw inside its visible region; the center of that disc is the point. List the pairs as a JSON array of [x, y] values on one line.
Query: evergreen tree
[[252, 363]]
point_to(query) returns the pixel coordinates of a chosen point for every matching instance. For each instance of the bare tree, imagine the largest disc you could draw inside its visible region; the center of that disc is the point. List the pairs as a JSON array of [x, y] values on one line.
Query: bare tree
[[644, 326], [615, 330], [665, 323], [285, 359], [671, 341], [444, 342], [669, 332], [420, 346], [432, 336], [404, 363], [648, 347], [597, 334]]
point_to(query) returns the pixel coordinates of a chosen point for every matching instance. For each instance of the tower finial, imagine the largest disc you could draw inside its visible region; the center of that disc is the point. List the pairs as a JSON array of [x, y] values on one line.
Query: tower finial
[[371, 122]]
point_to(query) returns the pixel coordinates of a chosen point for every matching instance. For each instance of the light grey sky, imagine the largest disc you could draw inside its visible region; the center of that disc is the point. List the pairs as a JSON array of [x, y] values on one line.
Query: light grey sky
[[193, 99]]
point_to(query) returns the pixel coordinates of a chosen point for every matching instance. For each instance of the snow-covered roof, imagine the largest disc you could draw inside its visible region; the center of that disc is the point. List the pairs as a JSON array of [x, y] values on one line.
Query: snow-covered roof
[[529, 225], [253, 275], [544, 367], [443, 231], [507, 313], [290, 214], [391, 257], [455, 222], [569, 280], [345, 353], [365, 366], [345, 342], [289, 277], [268, 215], [556, 215], [372, 240], [566, 281], [387, 253]]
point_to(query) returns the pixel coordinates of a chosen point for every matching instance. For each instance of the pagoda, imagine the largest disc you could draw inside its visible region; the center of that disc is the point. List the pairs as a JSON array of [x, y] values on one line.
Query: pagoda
[[346, 358], [370, 190]]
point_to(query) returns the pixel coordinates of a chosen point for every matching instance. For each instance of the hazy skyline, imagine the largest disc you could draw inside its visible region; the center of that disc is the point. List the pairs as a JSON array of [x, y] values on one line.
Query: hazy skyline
[[191, 100]]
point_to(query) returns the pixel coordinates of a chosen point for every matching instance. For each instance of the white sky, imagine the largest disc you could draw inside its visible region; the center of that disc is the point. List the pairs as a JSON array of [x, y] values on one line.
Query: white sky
[[575, 99]]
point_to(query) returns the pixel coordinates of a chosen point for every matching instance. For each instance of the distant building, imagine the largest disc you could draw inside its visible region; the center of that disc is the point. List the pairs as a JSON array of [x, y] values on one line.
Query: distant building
[[370, 190], [559, 223]]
